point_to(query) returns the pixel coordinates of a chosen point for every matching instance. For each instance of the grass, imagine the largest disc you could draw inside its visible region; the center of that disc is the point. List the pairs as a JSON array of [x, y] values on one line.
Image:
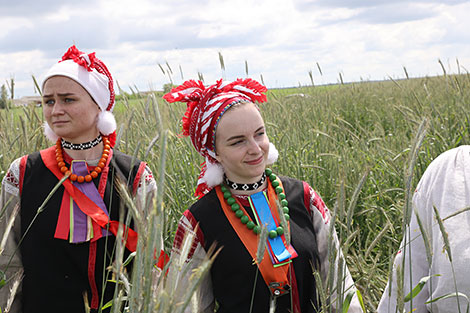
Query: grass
[[353, 143]]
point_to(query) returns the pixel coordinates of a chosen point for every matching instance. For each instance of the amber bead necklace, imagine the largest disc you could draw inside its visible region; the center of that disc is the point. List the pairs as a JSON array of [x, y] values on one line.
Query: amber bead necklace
[[79, 178]]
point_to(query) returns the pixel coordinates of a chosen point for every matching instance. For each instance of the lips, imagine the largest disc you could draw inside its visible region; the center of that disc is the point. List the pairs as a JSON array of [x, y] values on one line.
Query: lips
[[59, 122], [256, 161]]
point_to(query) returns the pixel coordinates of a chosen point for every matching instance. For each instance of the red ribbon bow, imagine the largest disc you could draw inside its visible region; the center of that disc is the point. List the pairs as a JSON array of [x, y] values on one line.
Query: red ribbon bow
[[81, 58], [194, 93]]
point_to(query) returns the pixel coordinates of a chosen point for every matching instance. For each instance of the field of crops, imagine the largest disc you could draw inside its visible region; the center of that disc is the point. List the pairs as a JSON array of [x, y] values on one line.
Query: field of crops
[[362, 146]]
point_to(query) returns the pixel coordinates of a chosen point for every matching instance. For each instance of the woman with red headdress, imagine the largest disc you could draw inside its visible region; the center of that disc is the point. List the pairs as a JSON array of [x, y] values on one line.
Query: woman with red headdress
[[65, 248], [240, 199]]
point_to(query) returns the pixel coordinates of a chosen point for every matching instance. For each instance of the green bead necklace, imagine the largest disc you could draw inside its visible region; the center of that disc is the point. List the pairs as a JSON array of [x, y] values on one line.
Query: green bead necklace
[[245, 219]]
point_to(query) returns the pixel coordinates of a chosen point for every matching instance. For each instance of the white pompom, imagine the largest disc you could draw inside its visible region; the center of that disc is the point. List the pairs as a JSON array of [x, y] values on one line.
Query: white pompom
[[106, 122], [214, 174], [49, 133], [273, 154]]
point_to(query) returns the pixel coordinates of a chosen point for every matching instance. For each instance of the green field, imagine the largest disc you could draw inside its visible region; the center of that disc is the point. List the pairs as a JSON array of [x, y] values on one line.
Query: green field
[[353, 143]]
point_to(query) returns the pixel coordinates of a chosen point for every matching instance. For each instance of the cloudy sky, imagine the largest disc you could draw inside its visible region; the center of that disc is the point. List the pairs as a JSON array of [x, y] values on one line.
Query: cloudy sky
[[282, 40]]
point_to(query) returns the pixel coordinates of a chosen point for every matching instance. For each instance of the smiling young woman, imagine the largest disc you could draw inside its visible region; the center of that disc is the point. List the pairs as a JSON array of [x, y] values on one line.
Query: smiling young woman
[[238, 195], [68, 247], [241, 144]]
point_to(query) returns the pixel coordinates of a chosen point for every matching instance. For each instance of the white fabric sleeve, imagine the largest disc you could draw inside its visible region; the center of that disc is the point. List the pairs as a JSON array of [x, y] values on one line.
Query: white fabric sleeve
[[445, 185], [197, 255], [10, 256], [415, 250], [321, 223]]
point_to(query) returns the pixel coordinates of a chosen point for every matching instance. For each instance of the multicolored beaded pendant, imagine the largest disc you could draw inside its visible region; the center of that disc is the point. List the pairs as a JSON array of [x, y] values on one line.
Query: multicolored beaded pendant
[[245, 219]]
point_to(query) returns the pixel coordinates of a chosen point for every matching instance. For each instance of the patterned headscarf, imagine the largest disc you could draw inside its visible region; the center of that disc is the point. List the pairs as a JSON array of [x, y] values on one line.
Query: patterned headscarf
[[93, 75], [205, 107]]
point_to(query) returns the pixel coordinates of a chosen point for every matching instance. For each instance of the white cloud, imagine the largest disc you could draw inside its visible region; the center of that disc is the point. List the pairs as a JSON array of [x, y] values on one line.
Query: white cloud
[[281, 40]]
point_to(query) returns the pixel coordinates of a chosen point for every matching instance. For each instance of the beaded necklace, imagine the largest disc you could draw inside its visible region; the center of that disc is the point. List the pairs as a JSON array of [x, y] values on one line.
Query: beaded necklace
[[79, 178], [245, 187], [81, 146], [245, 219]]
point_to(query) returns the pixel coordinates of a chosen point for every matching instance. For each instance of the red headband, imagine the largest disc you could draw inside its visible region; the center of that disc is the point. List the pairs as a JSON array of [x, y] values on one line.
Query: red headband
[[205, 107]]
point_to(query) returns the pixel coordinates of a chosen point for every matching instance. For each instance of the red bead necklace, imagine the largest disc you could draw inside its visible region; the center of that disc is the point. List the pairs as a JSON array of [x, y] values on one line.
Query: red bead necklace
[[78, 178]]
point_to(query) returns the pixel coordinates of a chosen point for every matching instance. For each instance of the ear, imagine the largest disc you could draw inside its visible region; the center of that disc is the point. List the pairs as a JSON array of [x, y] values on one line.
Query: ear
[[217, 156]]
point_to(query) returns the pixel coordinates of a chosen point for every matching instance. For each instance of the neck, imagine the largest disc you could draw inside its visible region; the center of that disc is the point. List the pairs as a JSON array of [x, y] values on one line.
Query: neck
[[89, 154], [249, 192]]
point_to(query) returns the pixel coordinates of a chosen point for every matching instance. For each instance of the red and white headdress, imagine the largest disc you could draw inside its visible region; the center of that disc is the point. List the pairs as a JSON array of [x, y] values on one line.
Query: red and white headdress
[[93, 75], [205, 107]]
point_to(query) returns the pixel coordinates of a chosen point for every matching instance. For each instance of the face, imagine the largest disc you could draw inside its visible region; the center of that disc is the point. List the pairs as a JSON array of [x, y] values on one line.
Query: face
[[69, 110], [241, 143]]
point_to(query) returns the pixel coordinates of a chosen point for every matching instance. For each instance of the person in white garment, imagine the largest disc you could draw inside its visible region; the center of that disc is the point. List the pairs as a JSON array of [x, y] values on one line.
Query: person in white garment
[[445, 187]]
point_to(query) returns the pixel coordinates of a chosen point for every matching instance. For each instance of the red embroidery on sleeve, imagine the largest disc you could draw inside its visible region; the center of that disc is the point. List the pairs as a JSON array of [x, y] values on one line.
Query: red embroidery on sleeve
[[311, 198], [140, 171], [181, 232]]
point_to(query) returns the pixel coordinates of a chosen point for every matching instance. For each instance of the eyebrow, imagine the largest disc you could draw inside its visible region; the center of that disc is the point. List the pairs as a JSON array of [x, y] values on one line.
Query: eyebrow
[[59, 94], [241, 136], [235, 137]]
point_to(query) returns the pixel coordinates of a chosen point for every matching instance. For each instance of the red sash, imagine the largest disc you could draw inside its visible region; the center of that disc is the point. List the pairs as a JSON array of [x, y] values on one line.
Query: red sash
[[85, 204]]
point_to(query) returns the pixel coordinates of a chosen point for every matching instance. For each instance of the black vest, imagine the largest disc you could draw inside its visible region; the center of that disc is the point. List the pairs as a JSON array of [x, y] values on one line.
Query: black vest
[[56, 271], [233, 273]]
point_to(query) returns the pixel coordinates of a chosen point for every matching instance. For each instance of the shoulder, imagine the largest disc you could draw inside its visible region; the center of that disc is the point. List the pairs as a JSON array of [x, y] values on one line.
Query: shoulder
[[312, 200], [292, 185], [297, 184], [287, 179], [139, 171], [207, 211], [124, 159], [126, 164], [188, 226], [205, 204], [316, 203], [295, 187], [447, 166], [13, 179], [453, 157]]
